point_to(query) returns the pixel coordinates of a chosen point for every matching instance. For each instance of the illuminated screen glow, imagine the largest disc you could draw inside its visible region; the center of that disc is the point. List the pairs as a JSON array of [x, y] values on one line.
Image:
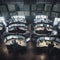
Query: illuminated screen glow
[[56, 21], [2, 20], [40, 18], [18, 18]]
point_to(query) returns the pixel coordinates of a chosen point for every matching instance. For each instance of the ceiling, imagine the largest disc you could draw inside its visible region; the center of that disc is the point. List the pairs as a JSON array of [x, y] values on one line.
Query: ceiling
[[28, 1]]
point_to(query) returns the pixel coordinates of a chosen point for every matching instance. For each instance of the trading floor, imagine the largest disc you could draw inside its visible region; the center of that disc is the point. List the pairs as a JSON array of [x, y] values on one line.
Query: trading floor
[[30, 40]]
